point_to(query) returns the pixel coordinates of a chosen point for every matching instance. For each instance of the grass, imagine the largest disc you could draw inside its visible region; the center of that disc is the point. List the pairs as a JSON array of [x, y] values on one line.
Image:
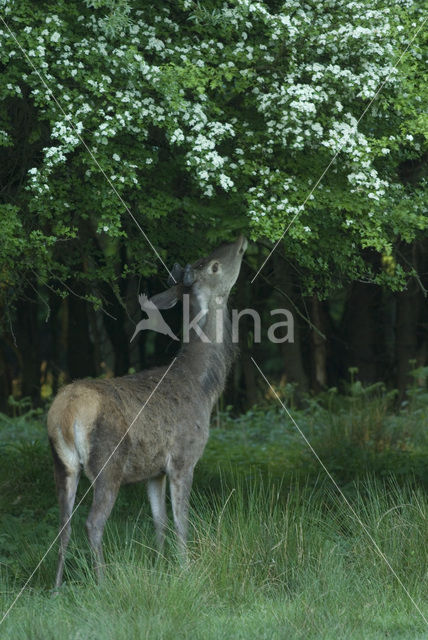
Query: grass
[[263, 564], [271, 555]]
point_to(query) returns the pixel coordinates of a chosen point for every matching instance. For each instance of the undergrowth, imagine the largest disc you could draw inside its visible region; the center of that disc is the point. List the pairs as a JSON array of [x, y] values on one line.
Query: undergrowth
[[274, 552]]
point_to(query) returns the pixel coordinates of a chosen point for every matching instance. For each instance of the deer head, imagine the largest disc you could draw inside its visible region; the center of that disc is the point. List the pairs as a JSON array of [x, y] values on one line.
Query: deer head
[[207, 281]]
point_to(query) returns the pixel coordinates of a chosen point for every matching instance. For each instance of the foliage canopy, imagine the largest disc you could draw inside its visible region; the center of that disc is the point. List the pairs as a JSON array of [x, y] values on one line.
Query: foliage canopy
[[207, 119]]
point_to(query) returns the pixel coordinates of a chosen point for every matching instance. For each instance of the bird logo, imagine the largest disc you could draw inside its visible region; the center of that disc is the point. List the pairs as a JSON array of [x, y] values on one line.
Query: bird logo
[[155, 321]]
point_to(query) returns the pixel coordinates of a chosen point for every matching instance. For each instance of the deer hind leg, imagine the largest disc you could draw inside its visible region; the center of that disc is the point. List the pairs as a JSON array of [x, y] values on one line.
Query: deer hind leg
[[180, 486], [66, 481], [105, 466], [156, 492], [106, 489]]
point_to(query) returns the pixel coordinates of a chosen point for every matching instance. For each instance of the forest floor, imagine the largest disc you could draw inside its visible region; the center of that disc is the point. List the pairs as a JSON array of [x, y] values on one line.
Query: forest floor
[[275, 551]]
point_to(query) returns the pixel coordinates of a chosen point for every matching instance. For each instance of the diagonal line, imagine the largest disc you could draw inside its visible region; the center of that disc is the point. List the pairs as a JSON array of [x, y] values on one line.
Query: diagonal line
[[84, 496], [88, 149], [302, 206], [360, 522]]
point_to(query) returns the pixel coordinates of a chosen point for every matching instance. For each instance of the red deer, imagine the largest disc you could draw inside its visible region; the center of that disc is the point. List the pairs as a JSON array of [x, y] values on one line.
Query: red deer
[[99, 425]]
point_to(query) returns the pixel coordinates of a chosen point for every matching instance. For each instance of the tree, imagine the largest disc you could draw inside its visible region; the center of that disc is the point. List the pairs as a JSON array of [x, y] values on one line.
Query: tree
[[192, 121], [194, 113]]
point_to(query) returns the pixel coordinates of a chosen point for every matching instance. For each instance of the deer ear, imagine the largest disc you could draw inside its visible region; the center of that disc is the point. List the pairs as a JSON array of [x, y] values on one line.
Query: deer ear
[[188, 275], [168, 298], [176, 275]]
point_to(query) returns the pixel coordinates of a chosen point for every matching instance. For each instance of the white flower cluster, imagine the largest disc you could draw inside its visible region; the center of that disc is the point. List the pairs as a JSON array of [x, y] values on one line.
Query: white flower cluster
[[370, 182], [244, 105]]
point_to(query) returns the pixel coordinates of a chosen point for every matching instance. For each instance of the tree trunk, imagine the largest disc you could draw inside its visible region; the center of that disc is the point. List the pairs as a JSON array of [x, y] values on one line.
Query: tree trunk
[[27, 338], [246, 365], [406, 335], [294, 369], [96, 339], [80, 350], [359, 330], [319, 346], [5, 379], [119, 340], [58, 329], [411, 335]]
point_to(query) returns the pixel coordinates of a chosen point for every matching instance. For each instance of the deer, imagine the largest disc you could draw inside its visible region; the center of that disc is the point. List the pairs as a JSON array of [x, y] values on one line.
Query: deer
[[151, 425]]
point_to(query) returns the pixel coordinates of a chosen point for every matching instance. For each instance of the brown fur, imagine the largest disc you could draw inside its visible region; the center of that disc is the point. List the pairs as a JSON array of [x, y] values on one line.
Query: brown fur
[[75, 401]]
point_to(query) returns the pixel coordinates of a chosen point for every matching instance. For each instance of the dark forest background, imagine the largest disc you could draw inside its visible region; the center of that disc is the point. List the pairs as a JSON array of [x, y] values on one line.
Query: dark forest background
[[185, 125], [361, 331]]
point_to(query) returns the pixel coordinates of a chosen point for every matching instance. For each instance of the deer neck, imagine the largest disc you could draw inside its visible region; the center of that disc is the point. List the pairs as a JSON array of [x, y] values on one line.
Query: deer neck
[[208, 349]]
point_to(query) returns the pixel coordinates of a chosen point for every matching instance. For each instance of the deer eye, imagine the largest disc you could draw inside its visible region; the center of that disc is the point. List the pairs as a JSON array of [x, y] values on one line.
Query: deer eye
[[214, 268]]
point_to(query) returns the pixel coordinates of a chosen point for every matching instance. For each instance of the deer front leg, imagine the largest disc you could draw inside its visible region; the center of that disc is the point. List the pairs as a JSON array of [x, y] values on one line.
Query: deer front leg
[[180, 486]]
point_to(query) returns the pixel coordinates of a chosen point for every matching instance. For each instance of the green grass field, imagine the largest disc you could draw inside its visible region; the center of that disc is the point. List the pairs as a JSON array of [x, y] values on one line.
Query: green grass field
[[270, 555]]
